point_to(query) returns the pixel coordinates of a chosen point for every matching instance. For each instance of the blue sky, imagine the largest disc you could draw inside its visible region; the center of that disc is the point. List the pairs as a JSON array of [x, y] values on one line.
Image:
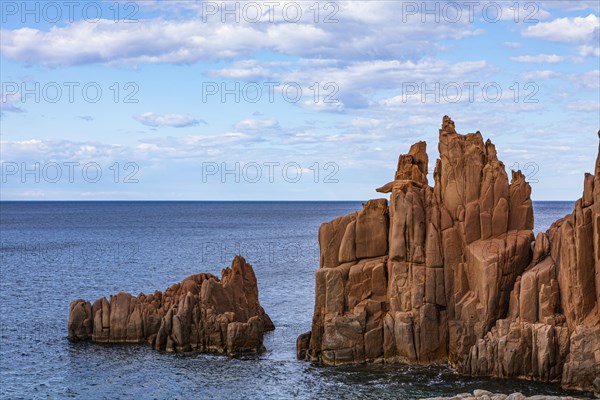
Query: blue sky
[[288, 100]]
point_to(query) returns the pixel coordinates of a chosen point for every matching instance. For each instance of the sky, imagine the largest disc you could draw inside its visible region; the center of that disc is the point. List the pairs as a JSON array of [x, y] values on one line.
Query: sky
[[288, 100]]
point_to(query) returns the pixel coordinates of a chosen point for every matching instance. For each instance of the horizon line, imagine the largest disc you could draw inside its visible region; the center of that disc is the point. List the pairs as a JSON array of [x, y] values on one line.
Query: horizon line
[[223, 200]]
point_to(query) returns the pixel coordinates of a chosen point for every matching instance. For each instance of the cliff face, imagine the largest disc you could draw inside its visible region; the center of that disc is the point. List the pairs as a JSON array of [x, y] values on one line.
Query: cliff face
[[200, 313], [451, 273]]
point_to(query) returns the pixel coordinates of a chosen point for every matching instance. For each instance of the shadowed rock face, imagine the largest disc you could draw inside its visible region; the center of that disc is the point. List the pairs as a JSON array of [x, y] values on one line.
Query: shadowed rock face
[[200, 313], [451, 273]]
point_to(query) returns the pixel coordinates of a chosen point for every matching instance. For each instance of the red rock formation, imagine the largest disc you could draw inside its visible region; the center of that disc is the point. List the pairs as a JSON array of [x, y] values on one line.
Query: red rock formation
[[200, 313], [448, 273]]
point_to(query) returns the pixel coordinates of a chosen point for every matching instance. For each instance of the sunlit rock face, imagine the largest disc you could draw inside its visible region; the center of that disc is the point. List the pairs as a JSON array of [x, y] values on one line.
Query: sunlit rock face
[[452, 273], [200, 313]]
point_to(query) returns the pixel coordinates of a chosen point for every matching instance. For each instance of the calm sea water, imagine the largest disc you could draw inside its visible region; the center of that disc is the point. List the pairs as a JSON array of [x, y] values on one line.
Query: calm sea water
[[54, 252]]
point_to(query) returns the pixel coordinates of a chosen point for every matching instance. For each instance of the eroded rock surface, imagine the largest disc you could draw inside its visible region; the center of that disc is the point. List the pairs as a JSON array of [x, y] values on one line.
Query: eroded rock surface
[[200, 313], [452, 273]]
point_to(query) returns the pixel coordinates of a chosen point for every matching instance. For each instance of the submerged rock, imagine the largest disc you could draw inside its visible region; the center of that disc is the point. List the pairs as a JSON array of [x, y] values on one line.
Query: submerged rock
[[452, 274], [200, 313]]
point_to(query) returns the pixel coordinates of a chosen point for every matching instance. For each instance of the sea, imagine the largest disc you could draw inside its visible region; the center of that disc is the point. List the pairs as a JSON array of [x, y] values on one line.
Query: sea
[[55, 252]]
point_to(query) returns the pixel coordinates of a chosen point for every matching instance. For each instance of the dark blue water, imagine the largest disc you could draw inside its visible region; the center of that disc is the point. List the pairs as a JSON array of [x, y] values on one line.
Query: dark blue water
[[54, 252]]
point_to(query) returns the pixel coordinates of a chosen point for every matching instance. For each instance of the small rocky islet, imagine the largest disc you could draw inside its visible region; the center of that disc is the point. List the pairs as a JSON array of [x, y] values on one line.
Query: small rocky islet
[[201, 313]]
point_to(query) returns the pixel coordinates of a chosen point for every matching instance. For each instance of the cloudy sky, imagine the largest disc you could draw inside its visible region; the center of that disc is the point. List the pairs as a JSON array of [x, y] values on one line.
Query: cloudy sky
[[286, 100]]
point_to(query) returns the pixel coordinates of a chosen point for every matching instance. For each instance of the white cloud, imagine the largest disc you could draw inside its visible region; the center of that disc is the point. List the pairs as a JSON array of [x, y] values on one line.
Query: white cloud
[[173, 148], [9, 101], [587, 80], [587, 50], [323, 106], [537, 75], [363, 122], [256, 124], [195, 144], [571, 5], [575, 29], [350, 85], [39, 150], [149, 41], [584, 106], [363, 29], [515, 12], [245, 69], [173, 120], [539, 58]]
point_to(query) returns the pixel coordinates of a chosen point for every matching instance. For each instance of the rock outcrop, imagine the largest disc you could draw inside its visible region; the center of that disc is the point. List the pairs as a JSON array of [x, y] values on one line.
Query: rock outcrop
[[485, 395], [200, 313], [452, 273]]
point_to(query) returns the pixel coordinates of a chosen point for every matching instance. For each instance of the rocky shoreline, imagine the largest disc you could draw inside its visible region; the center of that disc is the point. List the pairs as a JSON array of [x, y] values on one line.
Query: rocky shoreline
[[452, 273], [485, 395]]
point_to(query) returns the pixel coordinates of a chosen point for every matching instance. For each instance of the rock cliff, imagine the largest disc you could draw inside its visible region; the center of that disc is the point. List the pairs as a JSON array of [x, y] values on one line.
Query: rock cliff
[[452, 273], [201, 313]]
